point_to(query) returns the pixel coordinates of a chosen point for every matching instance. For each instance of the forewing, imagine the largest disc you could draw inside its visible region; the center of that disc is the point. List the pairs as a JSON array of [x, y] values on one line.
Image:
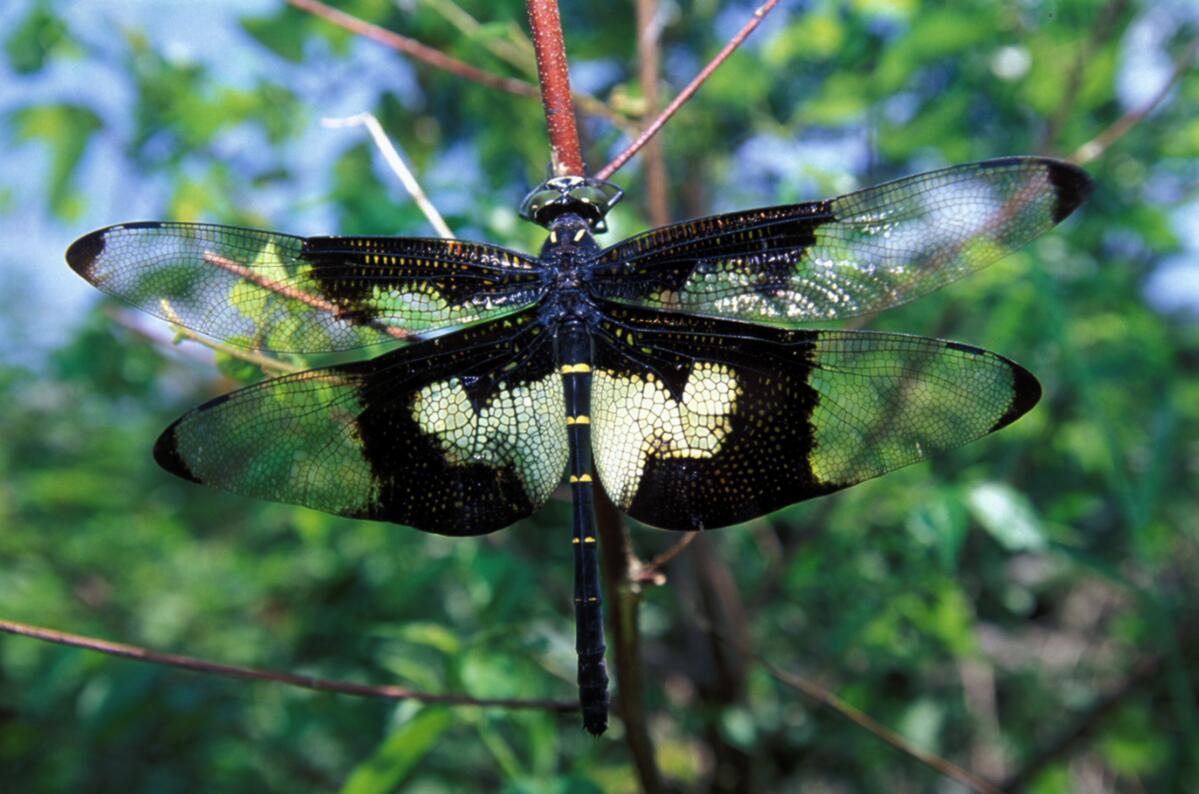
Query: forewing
[[702, 422], [458, 435], [301, 295], [846, 256]]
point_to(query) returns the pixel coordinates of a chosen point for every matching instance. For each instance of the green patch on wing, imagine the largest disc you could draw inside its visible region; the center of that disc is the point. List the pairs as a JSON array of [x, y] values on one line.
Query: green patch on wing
[[290, 440], [887, 402]]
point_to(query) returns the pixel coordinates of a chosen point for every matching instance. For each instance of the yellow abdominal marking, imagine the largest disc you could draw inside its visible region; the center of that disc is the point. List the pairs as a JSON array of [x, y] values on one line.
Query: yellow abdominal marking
[[637, 418], [579, 234]]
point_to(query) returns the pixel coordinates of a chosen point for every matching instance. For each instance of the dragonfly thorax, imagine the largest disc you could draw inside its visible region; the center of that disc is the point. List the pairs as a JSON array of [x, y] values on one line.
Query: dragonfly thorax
[[568, 255]]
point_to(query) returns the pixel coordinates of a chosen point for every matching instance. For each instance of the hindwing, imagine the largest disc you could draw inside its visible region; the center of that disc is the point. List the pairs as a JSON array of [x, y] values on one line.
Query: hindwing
[[699, 422], [458, 435]]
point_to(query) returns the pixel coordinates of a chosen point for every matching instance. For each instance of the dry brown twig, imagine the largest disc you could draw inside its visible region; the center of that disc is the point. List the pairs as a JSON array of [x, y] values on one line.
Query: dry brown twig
[[398, 167], [386, 692], [826, 698], [1118, 129], [267, 363], [422, 52]]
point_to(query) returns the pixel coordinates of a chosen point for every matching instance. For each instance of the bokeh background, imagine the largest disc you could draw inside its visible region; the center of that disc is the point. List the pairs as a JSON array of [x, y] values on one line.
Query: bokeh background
[[1025, 607]]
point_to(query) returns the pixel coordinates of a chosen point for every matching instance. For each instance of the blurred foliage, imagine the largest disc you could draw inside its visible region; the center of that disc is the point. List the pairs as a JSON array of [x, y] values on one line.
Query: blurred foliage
[[980, 604]]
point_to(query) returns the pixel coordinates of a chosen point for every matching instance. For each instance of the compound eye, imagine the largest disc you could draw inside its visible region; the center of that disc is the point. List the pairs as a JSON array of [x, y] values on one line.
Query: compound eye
[[537, 201], [590, 195]]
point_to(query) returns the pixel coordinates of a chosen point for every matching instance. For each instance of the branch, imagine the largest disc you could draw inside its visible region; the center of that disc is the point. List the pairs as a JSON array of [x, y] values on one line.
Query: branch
[[566, 157], [686, 93], [414, 49], [267, 363], [294, 293], [1101, 142], [1100, 32], [518, 53], [649, 29], [826, 698], [290, 679], [398, 167], [624, 596], [651, 572]]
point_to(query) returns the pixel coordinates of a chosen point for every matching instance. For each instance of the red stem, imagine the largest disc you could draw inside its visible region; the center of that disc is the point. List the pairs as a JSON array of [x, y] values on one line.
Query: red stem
[[565, 155]]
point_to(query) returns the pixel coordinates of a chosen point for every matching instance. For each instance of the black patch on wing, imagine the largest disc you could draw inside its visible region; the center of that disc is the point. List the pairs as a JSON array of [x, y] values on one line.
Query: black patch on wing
[[82, 253], [664, 259], [347, 439], [762, 464], [166, 453], [456, 271]]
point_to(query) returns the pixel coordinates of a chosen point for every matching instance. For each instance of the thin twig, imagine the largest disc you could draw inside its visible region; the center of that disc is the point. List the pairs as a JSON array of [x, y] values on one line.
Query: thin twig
[[268, 363], [398, 167], [651, 572], [686, 93], [518, 52], [566, 158], [865, 721], [413, 48], [1101, 142], [624, 597], [1101, 30], [127, 321], [294, 293], [290, 679], [649, 29]]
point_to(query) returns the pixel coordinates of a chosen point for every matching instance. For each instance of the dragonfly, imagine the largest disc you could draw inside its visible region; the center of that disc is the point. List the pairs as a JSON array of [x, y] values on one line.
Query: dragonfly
[[671, 367]]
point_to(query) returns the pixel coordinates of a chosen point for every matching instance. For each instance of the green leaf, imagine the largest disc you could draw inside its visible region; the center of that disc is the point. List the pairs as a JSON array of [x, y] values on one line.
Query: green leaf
[[66, 129], [236, 368], [399, 754], [34, 41], [282, 33]]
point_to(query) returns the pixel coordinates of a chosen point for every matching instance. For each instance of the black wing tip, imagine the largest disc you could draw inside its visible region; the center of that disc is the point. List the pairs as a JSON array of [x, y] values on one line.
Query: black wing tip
[[1026, 393], [166, 455], [1073, 186], [83, 253]]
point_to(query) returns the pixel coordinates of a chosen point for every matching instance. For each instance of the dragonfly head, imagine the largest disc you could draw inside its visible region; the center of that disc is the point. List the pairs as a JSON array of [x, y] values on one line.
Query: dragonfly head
[[590, 199]]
